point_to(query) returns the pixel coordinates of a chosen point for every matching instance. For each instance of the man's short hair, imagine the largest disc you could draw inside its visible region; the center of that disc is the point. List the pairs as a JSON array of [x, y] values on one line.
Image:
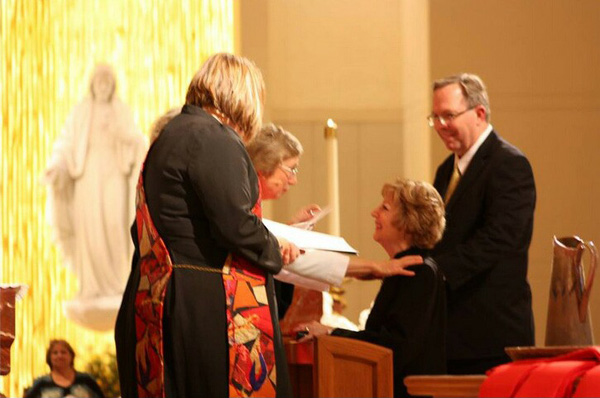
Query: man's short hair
[[472, 87]]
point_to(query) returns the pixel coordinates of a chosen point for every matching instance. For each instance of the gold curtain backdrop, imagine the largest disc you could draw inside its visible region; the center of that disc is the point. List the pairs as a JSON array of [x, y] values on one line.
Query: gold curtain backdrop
[[48, 51]]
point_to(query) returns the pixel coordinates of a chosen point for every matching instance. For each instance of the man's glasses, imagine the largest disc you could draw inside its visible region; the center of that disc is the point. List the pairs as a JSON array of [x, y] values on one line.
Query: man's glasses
[[444, 120], [291, 172]]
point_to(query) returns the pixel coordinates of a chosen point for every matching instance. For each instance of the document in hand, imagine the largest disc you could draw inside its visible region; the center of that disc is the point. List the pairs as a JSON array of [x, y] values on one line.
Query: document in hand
[[311, 223], [309, 239]]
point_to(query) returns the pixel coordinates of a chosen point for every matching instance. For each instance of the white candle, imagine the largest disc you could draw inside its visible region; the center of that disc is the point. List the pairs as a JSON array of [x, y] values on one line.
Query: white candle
[[333, 185]]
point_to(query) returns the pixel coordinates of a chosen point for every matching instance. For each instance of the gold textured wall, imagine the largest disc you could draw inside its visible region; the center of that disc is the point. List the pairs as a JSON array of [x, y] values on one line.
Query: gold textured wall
[[48, 49]]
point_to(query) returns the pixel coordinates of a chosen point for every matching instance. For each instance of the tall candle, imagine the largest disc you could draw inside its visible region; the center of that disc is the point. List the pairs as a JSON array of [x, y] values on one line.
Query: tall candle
[[333, 185]]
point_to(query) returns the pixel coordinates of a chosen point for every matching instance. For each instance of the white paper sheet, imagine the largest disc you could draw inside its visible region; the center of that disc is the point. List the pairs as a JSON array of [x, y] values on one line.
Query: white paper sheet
[[309, 239], [310, 224]]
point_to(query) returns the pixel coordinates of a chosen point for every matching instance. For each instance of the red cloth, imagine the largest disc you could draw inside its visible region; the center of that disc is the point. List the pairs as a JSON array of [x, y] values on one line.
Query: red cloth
[[554, 379], [505, 380], [548, 377], [589, 385]]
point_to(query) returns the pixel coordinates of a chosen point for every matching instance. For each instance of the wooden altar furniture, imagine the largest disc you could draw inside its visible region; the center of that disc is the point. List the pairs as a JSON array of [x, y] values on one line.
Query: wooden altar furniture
[[340, 367], [469, 385], [444, 385]]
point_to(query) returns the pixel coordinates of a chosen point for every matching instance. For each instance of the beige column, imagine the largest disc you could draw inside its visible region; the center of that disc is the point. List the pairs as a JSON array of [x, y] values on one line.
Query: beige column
[[415, 89]]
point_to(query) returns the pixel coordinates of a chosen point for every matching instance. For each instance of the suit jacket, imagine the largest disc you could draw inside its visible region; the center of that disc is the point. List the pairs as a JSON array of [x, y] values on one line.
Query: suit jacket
[[484, 251], [409, 317]]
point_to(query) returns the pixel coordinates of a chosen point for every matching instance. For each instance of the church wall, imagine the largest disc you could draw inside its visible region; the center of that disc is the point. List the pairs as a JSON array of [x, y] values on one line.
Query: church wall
[[369, 66], [541, 62]]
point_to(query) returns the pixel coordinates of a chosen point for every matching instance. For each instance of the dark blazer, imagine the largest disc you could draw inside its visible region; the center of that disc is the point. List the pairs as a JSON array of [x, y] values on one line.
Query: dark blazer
[[409, 317], [484, 251]]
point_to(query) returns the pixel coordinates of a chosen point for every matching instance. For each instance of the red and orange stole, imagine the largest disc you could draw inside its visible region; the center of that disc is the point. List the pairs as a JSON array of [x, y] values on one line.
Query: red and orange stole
[[249, 328], [249, 324]]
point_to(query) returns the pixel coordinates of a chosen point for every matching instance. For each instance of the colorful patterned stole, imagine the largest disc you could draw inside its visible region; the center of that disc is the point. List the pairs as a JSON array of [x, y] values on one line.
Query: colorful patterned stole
[[252, 370], [249, 324], [155, 270]]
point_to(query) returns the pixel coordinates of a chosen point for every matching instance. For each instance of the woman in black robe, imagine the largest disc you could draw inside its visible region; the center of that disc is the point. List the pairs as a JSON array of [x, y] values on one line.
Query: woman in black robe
[[198, 315]]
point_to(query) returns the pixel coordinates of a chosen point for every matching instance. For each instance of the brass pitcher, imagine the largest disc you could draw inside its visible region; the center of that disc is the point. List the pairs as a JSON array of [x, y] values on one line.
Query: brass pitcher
[[569, 321]]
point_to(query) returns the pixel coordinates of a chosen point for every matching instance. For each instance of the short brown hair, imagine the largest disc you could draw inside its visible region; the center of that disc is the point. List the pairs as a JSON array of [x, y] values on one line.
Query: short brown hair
[[234, 86], [64, 343], [420, 211], [271, 146], [473, 90]]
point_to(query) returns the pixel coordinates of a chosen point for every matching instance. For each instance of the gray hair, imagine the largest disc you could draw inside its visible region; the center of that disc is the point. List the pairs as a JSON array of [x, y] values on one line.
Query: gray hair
[[159, 124], [472, 87], [271, 146]]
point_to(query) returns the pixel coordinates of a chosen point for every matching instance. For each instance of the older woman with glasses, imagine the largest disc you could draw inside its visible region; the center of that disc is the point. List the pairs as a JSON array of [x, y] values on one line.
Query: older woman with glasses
[[409, 314], [275, 154]]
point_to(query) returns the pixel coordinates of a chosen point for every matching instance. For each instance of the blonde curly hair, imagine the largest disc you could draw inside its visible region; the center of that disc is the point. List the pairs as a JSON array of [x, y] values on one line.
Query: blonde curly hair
[[420, 211]]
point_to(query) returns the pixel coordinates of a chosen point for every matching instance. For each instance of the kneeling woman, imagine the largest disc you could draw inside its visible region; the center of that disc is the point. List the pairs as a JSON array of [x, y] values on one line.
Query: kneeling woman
[[409, 313]]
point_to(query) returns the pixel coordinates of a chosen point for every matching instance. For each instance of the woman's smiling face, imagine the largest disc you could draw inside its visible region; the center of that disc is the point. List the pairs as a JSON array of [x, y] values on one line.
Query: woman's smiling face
[[385, 214]]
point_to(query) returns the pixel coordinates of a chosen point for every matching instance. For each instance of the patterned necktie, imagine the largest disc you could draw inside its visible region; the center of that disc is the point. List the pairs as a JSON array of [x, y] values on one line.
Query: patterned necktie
[[453, 183]]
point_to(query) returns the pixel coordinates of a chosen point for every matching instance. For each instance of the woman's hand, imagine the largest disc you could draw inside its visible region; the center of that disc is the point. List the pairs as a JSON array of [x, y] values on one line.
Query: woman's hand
[[363, 269], [289, 251], [305, 213], [396, 267], [312, 330]]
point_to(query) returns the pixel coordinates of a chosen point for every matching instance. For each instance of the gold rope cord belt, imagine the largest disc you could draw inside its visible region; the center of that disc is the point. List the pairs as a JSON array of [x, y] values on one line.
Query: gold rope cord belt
[[198, 268]]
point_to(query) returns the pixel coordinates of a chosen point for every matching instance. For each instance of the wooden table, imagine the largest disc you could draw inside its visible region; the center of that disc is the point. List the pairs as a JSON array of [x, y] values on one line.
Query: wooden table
[[444, 385]]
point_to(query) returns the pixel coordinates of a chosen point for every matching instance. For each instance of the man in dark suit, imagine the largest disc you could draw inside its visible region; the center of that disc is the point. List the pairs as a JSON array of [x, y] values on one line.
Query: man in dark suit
[[489, 191]]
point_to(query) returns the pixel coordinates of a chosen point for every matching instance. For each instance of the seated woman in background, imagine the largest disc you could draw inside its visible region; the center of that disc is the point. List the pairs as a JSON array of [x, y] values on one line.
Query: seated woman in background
[[409, 314], [275, 154], [63, 380]]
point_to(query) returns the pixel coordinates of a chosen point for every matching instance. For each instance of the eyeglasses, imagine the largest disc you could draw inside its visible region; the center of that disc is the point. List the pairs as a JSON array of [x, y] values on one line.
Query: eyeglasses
[[445, 119], [291, 172]]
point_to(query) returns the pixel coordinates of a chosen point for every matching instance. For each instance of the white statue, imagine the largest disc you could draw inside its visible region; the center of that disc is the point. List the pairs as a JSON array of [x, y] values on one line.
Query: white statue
[[92, 175]]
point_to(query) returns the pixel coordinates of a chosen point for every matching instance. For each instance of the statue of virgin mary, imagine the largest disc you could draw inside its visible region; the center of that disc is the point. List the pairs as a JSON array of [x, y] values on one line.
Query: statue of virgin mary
[[91, 177]]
